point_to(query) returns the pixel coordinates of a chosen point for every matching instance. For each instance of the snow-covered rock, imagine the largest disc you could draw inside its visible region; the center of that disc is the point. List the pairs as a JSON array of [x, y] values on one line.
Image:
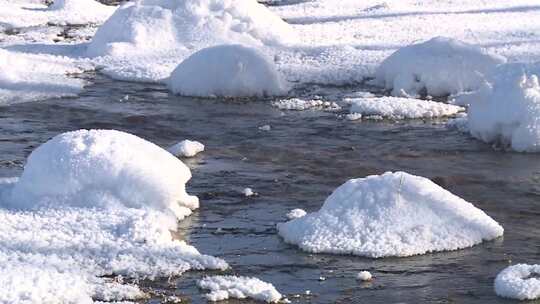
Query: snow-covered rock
[[401, 108], [296, 213], [364, 276], [91, 206], [186, 148], [229, 71], [25, 77], [506, 110], [226, 287], [298, 104], [91, 168], [156, 25], [515, 282], [394, 214], [440, 66], [248, 192]]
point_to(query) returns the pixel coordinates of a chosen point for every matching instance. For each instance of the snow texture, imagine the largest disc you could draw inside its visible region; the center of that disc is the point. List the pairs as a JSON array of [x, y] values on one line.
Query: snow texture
[[227, 71], [186, 148], [506, 110], [226, 287], [150, 25], [298, 104], [394, 214], [439, 66], [296, 213], [401, 108], [518, 282], [92, 206]]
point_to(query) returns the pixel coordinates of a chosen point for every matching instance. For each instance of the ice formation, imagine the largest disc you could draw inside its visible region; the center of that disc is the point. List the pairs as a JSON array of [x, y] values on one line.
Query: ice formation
[[89, 205], [506, 110], [229, 71], [401, 108], [516, 282], [394, 214], [226, 287], [186, 148], [158, 25], [298, 104], [440, 66], [248, 192]]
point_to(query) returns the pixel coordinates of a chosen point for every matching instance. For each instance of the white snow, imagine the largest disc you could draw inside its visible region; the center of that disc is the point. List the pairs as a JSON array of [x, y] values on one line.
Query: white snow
[[186, 148], [157, 25], [400, 108], [394, 214], [89, 205], [296, 213], [440, 66], [515, 282], [229, 71], [226, 287], [25, 77], [506, 110], [248, 192], [298, 104], [364, 276], [265, 128]]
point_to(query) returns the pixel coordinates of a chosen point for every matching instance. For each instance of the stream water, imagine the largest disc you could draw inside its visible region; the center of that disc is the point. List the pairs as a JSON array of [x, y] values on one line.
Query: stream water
[[297, 164]]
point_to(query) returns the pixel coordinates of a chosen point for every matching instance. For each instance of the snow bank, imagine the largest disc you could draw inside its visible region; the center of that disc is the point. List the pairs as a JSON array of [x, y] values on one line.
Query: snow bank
[[394, 214], [225, 287], [401, 108], [32, 77], [155, 25], [506, 110], [515, 282], [91, 206], [227, 70], [440, 66], [19, 14], [186, 148]]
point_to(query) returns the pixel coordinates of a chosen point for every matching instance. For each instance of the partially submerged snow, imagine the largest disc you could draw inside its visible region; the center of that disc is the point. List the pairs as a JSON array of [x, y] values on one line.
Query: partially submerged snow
[[364, 276], [248, 192], [506, 110], [394, 214], [299, 104], [89, 205], [440, 66], [186, 148], [296, 213], [226, 287], [401, 108], [519, 282], [227, 71]]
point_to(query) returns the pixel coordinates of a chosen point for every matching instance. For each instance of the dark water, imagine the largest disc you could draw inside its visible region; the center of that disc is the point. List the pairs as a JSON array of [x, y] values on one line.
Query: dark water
[[296, 165]]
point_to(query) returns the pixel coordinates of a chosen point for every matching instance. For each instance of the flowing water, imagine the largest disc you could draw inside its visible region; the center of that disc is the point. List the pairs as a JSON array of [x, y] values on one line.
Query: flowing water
[[296, 165]]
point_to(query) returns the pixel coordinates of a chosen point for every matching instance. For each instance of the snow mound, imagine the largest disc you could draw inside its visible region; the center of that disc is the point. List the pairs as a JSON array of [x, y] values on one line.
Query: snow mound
[[92, 207], [506, 110], [364, 276], [229, 71], [79, 11], [89, 168], [150, 25], [32, 77], [394, 214], [186, 148], [438, 67], [516, 282], [225, 287], [401, 108]]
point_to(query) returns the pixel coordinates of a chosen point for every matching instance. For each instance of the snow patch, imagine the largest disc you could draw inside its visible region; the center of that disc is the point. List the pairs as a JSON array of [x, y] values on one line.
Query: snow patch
[[186, 148], [394, 214], [298, 104], [515, 282], [400, 108], [364, 276], [296, 213], [225, 287]]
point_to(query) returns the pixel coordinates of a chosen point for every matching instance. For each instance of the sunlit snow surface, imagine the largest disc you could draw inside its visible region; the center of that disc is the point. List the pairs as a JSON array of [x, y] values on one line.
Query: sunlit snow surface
[[91, 204]]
